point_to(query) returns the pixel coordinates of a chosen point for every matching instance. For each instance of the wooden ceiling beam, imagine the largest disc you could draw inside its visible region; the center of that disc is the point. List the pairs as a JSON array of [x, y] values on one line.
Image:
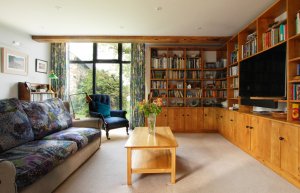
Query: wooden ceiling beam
[[218, 40]]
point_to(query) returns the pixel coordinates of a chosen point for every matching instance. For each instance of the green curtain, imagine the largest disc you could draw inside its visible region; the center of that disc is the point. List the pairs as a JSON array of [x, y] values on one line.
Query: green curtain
[[59, 67], [137, 86]]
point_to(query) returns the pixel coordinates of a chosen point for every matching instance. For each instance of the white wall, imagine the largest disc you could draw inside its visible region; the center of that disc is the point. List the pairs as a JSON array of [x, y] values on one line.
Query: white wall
[[35, 50]]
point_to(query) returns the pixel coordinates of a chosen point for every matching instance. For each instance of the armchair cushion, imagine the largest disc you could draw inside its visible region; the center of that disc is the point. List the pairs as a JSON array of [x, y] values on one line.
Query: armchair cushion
[[118, 113], [115, 122], [104, 109]]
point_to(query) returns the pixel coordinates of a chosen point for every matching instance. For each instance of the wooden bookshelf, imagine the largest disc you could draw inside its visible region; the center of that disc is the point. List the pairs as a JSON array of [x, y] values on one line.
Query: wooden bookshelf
[[34, 91]]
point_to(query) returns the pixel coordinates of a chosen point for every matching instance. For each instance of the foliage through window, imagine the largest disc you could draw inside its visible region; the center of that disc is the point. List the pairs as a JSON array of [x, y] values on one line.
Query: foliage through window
[[99, 68]]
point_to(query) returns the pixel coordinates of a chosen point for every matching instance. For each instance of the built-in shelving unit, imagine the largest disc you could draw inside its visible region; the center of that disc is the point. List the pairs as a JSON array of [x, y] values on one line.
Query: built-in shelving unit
[[34, 91]]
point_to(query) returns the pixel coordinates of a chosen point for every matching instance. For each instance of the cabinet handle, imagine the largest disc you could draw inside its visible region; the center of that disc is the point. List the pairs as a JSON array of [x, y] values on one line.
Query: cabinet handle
[[251, 127], [205, 115], [187, 115], [247, 126], [221, 116], [281, 138], [165, 115], [183, 115], [231, 120]]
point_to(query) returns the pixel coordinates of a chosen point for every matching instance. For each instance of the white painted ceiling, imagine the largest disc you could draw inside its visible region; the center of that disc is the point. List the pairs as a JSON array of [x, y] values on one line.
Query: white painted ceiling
[[131, 17]]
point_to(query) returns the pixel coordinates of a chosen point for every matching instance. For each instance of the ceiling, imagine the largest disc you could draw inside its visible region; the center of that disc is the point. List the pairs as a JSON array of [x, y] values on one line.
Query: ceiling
[[130, 17]]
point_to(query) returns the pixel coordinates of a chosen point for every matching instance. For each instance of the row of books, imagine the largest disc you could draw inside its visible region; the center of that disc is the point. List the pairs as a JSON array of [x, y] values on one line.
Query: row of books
[[193, 93], [221, 94], [158, 74], [235, 93], [178, 74], [193, 63], [233, 71], [159, 84], [40, 97], [276, 33], [233, 56], [193, 74], [176, 93], [221, 84], [250, 47], [169, 62], [236, 83], [296, 92]]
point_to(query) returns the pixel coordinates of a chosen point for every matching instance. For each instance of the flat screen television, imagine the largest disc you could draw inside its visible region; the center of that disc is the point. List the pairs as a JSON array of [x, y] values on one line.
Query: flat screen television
[[264, 75]]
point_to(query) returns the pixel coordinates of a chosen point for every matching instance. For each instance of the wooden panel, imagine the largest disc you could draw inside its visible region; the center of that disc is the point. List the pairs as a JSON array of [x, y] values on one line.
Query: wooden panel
[[193, 119], [275, 143], [217, 40], [151, 161], [209, 119], [176, 119], [162, 138], [162, 118], [242, 132], [289, 149]]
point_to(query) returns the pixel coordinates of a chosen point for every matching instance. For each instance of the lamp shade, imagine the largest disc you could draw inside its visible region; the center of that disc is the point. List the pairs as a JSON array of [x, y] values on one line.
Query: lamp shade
[[52, 75]]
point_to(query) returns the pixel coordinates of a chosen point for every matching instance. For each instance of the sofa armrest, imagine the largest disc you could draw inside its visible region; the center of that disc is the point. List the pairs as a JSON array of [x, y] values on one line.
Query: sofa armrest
[[118, 113], [92, 122], [7, 177]]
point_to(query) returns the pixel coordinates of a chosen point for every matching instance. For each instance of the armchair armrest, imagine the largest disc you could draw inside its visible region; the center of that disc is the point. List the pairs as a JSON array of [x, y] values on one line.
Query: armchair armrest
[[118, 113], [7, 176]]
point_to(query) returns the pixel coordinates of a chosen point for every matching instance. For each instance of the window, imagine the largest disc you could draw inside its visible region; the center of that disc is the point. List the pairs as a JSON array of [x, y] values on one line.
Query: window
[[99, 68]]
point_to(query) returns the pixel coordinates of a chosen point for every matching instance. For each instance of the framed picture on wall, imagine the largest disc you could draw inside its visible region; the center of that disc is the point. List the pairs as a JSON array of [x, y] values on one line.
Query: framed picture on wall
[[14, 62], [41, 66]]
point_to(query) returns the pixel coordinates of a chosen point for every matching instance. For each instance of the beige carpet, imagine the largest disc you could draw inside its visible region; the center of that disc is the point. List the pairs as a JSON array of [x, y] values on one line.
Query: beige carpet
[[206, 163]]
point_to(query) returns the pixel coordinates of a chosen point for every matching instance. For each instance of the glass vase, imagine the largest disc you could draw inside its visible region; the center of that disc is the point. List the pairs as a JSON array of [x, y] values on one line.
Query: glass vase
[[151, 123]]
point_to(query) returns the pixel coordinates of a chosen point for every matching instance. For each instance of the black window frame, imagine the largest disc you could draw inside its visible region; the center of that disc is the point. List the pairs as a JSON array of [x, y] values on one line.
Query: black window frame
[[95, 61]]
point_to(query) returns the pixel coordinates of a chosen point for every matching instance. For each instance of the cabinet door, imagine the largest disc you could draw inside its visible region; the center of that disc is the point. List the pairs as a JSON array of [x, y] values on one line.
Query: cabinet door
[[162, 118], [193, 119], [242, 131], [289, 149], [261, 138], [220, 113], [176, 119], [275, 143], [209, 119], [229, 124]]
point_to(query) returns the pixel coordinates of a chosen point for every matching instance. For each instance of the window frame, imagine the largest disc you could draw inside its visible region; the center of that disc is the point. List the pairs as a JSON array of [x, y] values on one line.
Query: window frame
[[96, 61]]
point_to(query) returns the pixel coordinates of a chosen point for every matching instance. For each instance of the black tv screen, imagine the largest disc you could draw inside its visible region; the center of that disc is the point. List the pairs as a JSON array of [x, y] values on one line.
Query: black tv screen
[[264, 75]]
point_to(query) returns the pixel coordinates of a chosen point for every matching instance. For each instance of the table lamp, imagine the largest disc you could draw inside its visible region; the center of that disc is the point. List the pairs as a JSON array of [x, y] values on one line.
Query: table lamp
[[51, 76]]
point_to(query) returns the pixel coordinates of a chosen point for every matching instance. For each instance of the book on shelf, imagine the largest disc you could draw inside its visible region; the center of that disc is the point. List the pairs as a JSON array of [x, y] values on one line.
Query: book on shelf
[[298, 69], [296, 92], [250, 46]]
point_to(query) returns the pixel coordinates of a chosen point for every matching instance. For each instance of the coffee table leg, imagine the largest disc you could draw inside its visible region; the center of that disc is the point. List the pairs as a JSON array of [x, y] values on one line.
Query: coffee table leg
[[129, 166], [173, 167]]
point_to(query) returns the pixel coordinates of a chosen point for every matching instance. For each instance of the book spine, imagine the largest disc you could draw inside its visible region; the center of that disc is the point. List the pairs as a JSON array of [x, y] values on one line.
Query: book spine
[[298, 23]]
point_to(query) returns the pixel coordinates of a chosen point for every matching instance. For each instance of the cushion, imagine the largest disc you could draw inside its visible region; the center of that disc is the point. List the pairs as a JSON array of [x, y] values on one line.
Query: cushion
[[15, 128], [104, 109], [81, 135], [36, 158], [116, 122], [47, 117]]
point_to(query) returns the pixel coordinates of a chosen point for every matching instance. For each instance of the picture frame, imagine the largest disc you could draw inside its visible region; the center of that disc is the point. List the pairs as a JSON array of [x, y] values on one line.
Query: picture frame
[[14, 62], [41, 66]]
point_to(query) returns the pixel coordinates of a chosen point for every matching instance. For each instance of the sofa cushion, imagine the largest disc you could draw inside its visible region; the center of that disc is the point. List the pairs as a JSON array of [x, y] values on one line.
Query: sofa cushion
[[82, 136], [36, 158], [47, 117], [15, 128]]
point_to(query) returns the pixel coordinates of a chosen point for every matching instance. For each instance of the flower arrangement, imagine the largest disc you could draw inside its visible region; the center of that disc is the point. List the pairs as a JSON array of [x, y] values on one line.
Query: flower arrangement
[[150, 107]]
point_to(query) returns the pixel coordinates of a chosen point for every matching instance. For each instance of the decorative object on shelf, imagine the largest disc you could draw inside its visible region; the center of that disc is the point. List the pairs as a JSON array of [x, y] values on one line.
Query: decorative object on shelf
[[295, 111], [14, 62], [41, 66], [151, 110], [88, 99], [52, 76]]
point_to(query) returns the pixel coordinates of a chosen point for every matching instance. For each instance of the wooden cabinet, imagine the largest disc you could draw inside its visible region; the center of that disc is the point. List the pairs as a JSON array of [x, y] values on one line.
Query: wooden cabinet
[[34, 91], [285, 147], [229, 121], [209, 119], [176, 119], [193, 119], [162, 118], [242, 131]]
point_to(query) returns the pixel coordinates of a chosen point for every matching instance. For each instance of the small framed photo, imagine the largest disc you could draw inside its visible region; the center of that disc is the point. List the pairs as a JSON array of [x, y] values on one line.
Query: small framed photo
[[41, 66], [14, 62]]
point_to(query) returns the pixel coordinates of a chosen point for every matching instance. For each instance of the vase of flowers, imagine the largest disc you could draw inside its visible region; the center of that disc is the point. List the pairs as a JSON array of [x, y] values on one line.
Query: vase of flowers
[[151, 110]]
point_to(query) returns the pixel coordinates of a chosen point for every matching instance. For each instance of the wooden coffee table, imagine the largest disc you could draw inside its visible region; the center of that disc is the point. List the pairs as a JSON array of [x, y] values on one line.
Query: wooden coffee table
[[151, 153]]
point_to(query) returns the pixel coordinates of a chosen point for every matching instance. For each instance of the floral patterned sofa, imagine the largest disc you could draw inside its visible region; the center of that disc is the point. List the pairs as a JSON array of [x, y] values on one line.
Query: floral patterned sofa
[[40, 145]]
